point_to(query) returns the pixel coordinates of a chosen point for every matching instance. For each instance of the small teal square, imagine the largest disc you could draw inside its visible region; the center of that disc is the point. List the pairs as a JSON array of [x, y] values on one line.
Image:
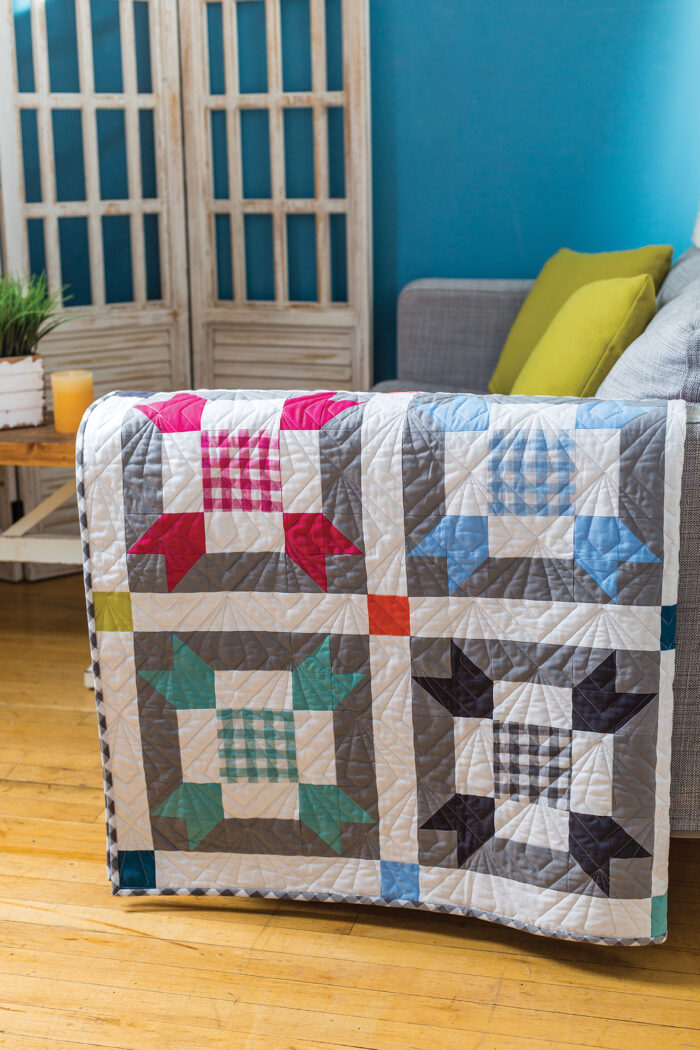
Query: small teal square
[[668, 627], [137, 869], [659, 924], [399, 881]]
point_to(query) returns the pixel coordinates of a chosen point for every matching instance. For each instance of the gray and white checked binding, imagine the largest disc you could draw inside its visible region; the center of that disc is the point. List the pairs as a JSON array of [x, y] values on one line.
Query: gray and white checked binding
[[340, 898], [112, 849]]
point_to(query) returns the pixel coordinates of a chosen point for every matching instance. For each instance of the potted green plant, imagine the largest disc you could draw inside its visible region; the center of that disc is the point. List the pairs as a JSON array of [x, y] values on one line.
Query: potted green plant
[[27, 314]]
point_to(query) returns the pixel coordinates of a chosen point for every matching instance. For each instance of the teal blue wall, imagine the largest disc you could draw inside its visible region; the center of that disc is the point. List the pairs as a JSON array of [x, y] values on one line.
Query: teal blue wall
[[502, 130], [505, 129]]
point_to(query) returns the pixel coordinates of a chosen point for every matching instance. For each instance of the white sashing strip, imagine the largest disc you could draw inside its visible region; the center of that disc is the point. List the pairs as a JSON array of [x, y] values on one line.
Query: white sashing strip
[[676, 423], [536, 906], [382, 493], [346, 876], [662, 826], [557, 623], [102, 479], [251, 611], [394, 755], [123, 736], [673, 474], [390, 657]]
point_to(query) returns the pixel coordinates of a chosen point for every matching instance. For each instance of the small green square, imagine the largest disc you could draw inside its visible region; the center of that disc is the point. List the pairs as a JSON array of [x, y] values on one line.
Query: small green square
[[659, 922], [257, 745], [112, 611]]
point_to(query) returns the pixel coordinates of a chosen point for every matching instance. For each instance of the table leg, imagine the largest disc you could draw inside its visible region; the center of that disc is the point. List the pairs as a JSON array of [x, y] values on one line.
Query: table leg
[[15, 545]]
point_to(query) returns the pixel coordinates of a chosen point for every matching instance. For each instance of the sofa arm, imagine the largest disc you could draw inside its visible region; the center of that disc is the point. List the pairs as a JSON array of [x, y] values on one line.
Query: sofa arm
[[450, 332], [685, 751]]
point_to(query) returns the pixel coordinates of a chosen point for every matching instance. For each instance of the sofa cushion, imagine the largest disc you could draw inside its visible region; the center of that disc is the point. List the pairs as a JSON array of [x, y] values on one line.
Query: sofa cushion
[[665, 360], [684, 271], [393, 386], [559, 278], [588, 335]]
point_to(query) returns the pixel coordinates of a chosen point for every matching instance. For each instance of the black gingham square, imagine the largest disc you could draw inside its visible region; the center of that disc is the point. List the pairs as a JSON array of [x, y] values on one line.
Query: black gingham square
[[532, 762]]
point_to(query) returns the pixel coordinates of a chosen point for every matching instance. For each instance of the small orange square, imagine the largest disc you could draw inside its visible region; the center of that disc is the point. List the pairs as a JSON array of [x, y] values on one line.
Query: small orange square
[[388, 614]]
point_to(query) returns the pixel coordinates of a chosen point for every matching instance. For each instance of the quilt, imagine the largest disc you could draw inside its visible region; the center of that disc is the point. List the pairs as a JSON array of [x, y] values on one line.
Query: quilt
[[405, 649]]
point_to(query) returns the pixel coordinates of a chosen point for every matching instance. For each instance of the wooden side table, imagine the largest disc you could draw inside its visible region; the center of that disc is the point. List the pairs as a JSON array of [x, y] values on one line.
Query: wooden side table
[[39, 447]]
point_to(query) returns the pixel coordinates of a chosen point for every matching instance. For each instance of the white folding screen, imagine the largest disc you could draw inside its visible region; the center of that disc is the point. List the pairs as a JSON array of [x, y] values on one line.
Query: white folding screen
[[94, 175], [60, 193], [278, 175]]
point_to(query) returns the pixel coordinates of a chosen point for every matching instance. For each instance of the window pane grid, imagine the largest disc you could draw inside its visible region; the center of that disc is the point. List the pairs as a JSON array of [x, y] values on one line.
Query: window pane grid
[[279, 57], [270, 64], [90, 151]]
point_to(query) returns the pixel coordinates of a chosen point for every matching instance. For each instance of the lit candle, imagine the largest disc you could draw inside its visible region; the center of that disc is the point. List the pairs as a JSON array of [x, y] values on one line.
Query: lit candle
[[72, 395]]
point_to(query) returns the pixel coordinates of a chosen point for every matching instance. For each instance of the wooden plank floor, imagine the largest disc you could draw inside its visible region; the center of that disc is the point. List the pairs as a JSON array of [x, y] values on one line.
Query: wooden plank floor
[[78, 966]]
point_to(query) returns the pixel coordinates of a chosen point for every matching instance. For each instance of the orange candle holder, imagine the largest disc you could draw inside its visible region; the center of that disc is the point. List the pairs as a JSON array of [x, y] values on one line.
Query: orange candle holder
[[72, 396]]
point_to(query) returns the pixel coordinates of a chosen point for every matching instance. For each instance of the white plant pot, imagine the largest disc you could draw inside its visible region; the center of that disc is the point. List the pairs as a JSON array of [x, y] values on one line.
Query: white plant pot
[[22, 399]]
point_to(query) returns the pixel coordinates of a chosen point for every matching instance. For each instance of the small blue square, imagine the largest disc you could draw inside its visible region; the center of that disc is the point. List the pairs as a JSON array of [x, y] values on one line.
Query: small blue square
[[137, 869], [607, 415], [462, 540], [399, 881], [668, 627], [458, 413]]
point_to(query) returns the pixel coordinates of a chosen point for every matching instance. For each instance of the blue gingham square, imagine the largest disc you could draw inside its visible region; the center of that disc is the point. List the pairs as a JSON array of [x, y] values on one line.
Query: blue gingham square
[[531, 472]]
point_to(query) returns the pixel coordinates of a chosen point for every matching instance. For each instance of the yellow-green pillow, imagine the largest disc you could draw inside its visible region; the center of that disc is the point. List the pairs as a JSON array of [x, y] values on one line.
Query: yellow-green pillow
[[559, 278], [587, 336]]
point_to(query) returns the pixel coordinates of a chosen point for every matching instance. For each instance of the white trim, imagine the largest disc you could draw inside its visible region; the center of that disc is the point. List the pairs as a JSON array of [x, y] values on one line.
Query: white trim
[[91, 153], [11, 181]]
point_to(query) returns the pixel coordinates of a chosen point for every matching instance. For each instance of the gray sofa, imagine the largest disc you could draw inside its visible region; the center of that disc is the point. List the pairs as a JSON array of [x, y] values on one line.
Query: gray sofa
[[450, 333]]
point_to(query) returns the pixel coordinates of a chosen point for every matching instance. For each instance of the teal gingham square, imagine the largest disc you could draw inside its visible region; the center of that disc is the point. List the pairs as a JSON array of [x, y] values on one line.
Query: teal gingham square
[[531, 472], [257, 745]]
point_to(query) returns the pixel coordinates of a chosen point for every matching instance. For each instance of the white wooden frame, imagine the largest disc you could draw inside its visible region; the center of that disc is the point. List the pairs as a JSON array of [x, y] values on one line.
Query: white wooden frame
[[280, 343]]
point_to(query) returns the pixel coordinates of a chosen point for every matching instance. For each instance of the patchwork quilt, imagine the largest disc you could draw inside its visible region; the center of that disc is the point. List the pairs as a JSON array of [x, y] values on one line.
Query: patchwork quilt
[[407, 649]]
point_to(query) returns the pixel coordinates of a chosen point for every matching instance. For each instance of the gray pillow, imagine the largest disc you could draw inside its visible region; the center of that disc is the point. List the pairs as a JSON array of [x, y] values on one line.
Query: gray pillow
[[665, 360], [684, 271]]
